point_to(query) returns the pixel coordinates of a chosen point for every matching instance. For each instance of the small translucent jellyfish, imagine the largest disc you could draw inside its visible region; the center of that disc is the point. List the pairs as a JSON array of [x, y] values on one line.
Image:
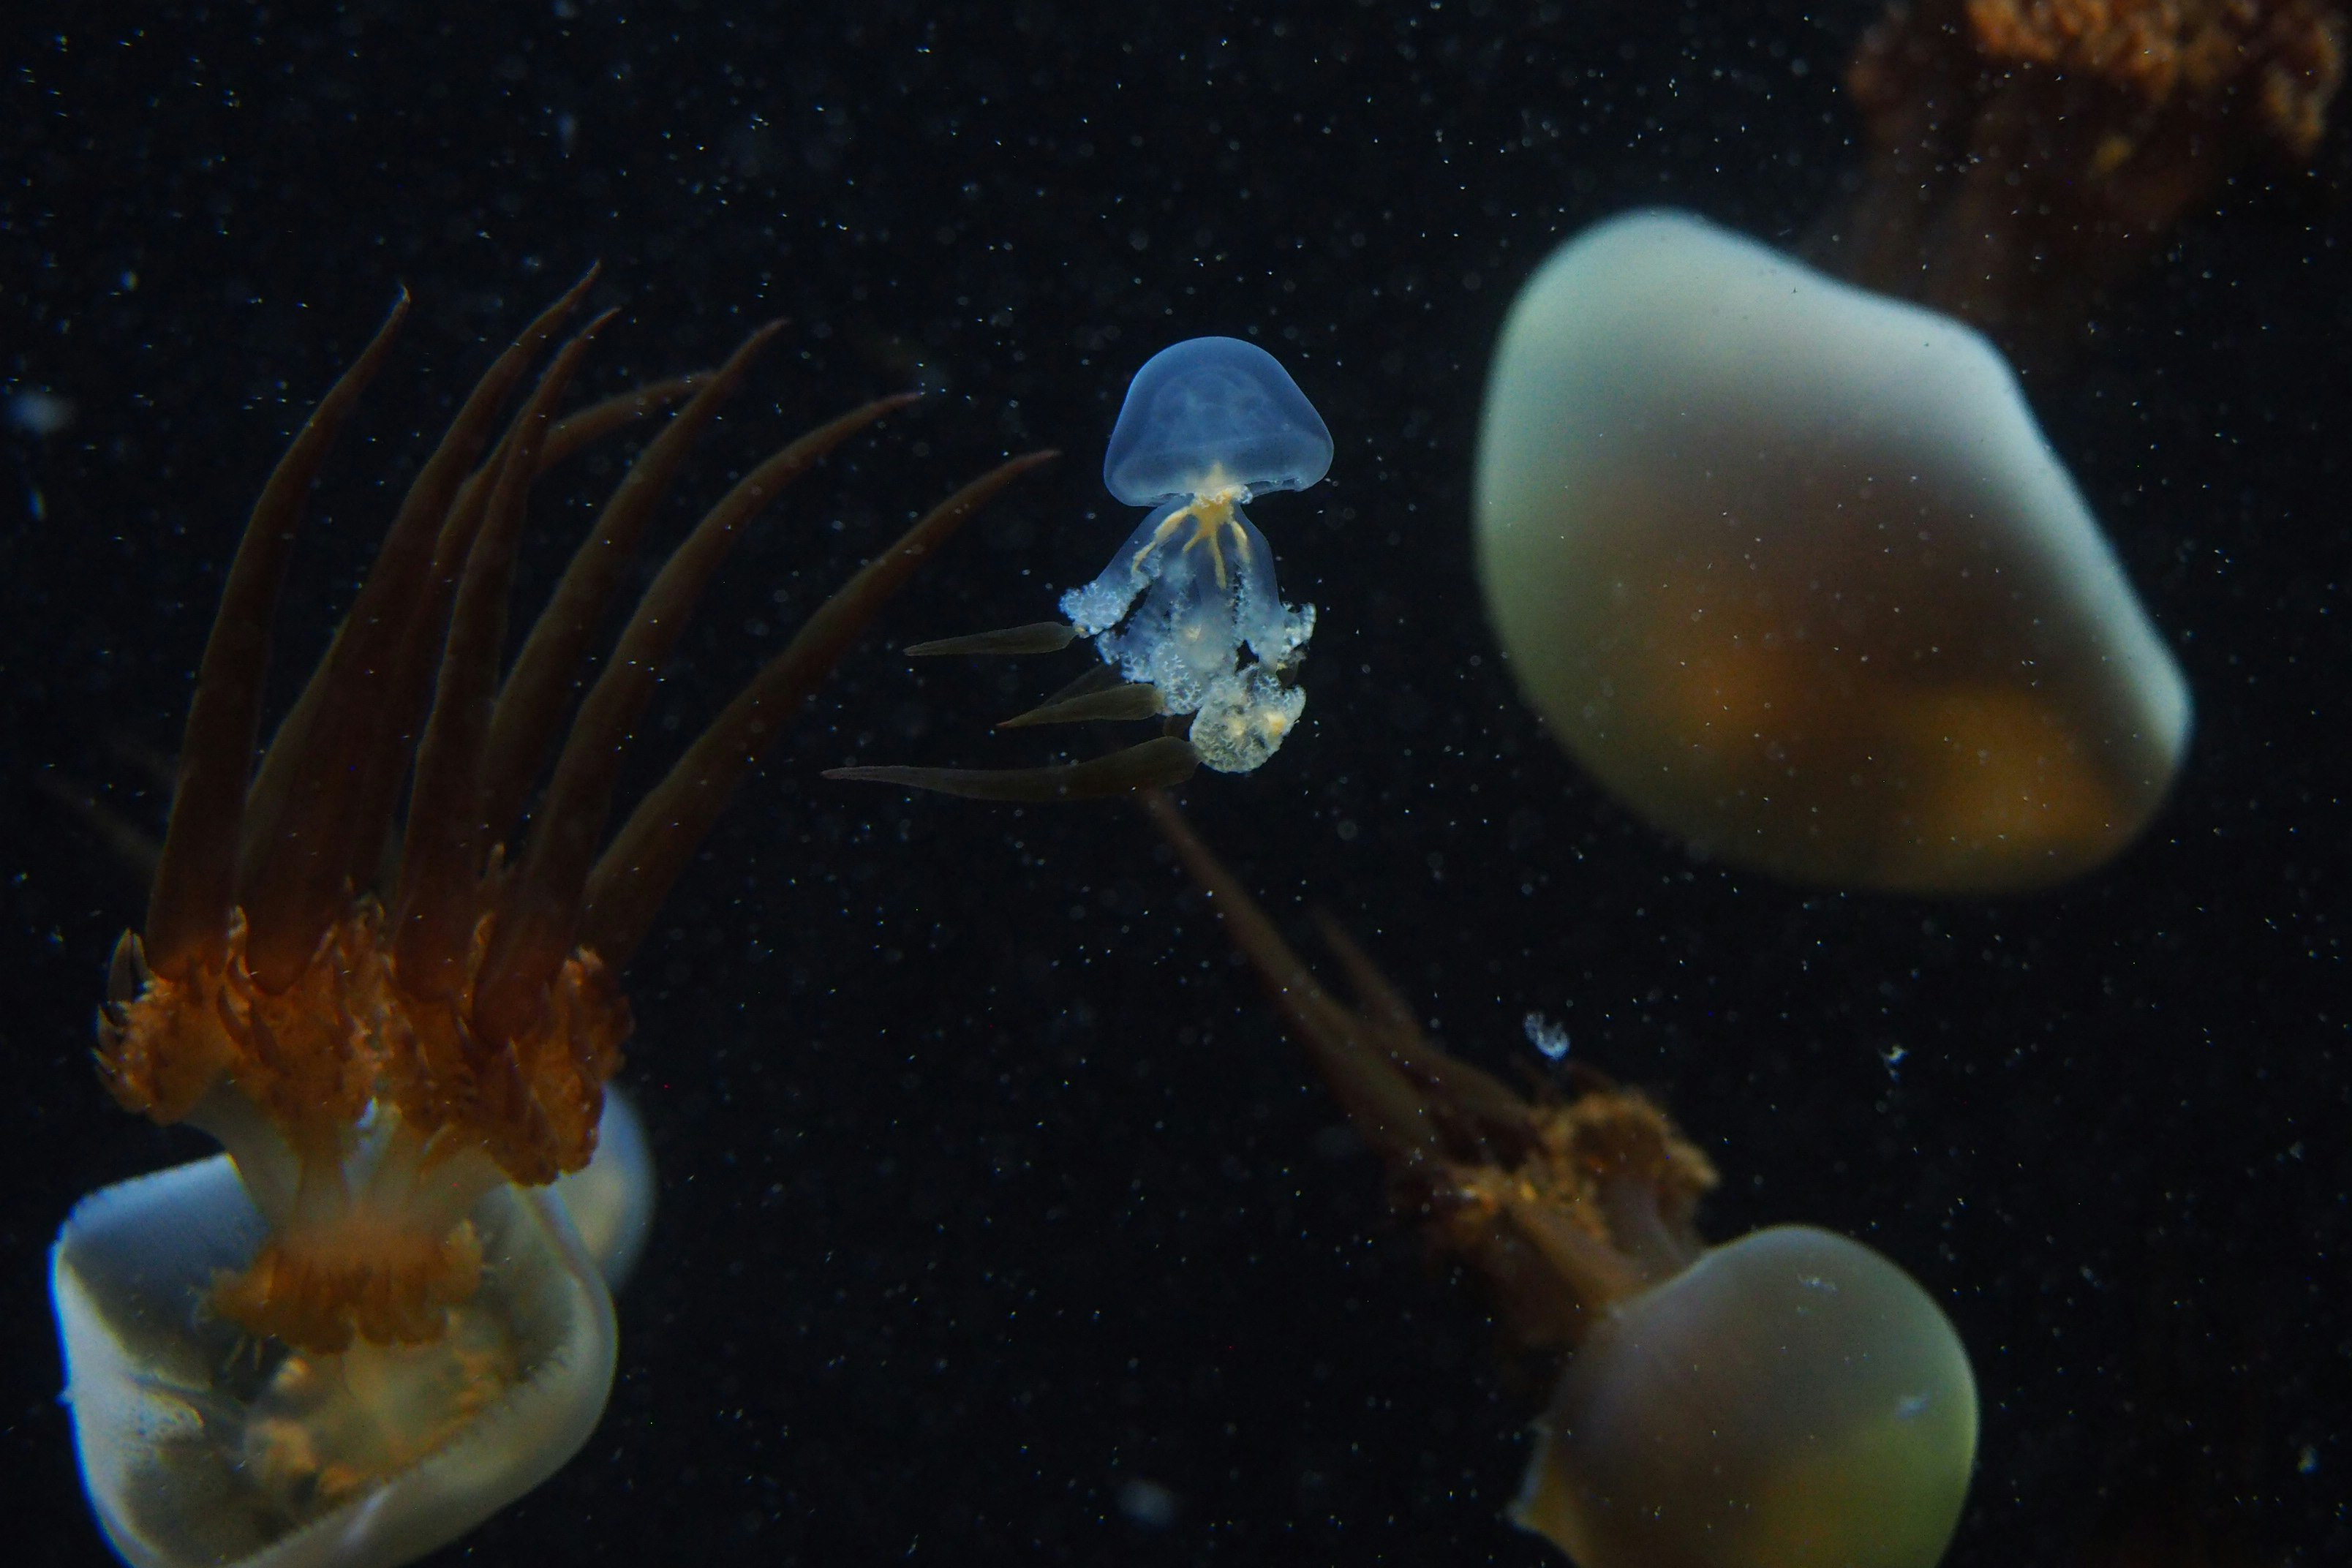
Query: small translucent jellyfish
[[1790, 569], [1187, 612], [1207, 425], [1791, 1399]]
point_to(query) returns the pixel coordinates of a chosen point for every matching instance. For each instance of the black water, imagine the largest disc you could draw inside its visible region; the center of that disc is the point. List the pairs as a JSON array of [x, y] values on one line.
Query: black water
[[990, 1188]]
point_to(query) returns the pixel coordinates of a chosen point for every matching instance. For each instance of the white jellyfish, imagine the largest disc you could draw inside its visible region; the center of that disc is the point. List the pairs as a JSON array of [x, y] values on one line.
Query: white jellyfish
[[1189, 604], [1187, 615], [1790, 569]]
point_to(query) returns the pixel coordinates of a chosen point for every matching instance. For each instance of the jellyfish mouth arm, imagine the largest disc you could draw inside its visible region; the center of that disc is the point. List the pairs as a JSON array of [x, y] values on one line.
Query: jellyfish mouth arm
[[376, 1065], [1562, 1205]]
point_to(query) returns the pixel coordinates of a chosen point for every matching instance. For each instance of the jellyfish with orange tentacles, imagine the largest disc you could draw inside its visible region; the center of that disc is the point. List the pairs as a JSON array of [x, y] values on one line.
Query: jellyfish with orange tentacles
[[372, 1324], [2023, 155]]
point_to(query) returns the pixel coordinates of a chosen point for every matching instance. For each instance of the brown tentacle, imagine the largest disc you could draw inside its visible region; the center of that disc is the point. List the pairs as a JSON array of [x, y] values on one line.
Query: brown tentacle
[[195, 877], [634, 875], [419, 657], [1490, 1114], [586, 427], [1139, 700], [543, 910], [1383, 1105], [381, 773], [1161, 762], [1036, 636], [441, 851], [301, 816], [531, 703]]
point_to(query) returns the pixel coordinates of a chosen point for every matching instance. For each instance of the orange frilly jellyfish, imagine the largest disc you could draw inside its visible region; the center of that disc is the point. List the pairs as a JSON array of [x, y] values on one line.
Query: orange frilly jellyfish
[[1791, 1399], [374, 1322]]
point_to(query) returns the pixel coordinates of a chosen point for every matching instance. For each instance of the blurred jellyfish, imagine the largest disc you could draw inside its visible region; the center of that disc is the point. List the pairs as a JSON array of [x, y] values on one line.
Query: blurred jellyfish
[[1790, 569], [2023, 156]]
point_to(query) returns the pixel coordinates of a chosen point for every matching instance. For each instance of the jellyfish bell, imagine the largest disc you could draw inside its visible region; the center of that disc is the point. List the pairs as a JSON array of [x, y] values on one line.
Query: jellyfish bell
[[1790, 569], [197, 1445], [1790, 1400], [1214, 400], [609, 1201]]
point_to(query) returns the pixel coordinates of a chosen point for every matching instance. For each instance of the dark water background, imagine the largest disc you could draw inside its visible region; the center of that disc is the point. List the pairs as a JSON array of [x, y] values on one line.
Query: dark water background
[[989, 1185]]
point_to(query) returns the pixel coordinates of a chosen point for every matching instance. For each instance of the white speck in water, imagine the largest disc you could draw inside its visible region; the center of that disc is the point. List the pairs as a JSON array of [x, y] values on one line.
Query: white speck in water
[[1545, 1036], [1910, 1406]]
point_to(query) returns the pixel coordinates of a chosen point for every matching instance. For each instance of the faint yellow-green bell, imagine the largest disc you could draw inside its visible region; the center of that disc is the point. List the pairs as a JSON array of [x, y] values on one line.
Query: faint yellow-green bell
[[1791, 1400], [1790, 569]]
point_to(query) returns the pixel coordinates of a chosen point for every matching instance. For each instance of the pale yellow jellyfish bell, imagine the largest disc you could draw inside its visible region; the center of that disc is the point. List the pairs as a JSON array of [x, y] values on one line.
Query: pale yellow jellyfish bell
[[1790, 1400], [195, 1449], [1790, 569]]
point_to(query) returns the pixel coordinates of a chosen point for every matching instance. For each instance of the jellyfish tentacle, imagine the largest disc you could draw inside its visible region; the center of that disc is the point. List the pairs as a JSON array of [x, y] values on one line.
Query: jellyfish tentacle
[[531, 704], [1117, 701], [540, 916], [584, 427], [440, 866], [591, 424], [301, 816], [1157, 764], [1561, 1206], [195, 877], [1036, 636], [1361, 1067], [634, 875]]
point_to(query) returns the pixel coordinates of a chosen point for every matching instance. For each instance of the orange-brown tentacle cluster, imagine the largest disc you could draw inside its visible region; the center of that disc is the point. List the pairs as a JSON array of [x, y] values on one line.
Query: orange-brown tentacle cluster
[[1560, 1204], [2024, 155], [374, 1072]]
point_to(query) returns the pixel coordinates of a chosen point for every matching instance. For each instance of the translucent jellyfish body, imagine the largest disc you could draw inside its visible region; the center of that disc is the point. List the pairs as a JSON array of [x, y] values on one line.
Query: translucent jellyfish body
[[1189, 604], [1791, 569], [198, 1445], [1790, 1400]]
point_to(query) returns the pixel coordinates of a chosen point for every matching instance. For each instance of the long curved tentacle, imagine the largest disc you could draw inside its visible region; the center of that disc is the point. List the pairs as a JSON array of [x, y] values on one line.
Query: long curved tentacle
[[544, 909], [302, 819], [195, 877], [531, 703], [632, 876], [435, 901]]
